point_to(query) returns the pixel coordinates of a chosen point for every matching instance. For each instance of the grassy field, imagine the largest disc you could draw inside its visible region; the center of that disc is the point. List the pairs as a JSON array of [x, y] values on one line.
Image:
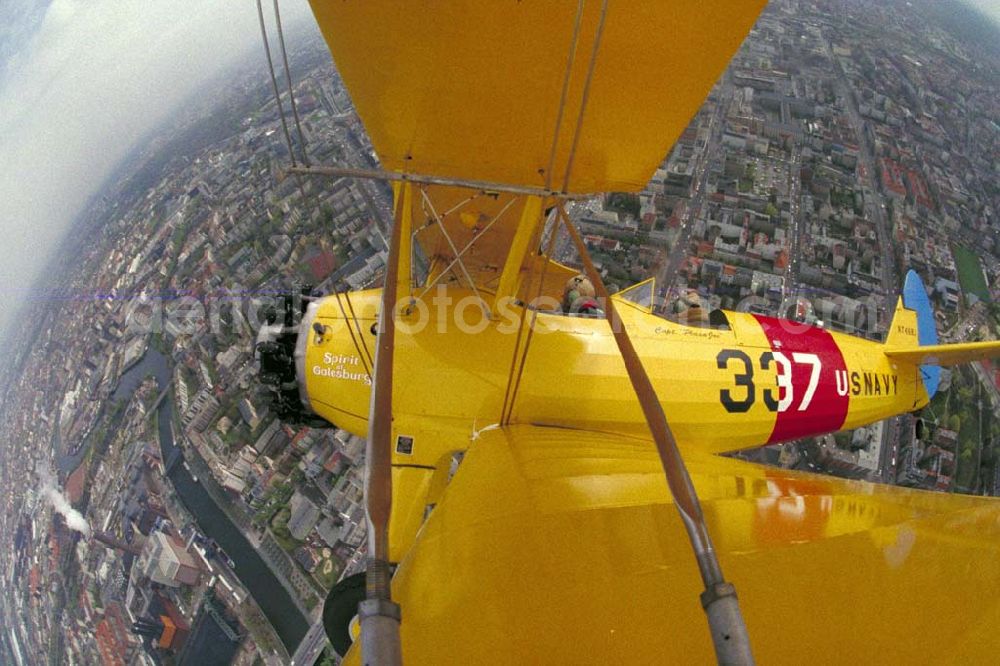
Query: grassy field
[[970, 273]]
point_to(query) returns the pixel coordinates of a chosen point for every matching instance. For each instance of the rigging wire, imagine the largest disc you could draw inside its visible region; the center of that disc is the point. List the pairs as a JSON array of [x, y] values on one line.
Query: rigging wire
[[565, 92], [586, 94], [514, 384], [468, 246], [274, 84], [462, 203], [454, 250], [288, 80], [357, 326], [362, 355]]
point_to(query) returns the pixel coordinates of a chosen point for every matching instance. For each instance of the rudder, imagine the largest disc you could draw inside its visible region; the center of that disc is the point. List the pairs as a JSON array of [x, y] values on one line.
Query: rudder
[[913, 326]]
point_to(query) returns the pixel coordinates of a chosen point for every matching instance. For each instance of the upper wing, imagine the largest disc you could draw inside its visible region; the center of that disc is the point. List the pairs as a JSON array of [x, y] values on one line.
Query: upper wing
[[563, 546], [475, 90]]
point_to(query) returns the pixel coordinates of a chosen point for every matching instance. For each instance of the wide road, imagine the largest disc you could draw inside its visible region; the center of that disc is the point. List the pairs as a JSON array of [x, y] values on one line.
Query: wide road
[[790, 285], [875, 206], [866, 159], [679, 250]]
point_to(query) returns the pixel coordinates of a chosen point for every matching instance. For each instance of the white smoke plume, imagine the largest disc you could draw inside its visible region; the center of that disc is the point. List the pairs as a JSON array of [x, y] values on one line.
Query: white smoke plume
[[51, 492]]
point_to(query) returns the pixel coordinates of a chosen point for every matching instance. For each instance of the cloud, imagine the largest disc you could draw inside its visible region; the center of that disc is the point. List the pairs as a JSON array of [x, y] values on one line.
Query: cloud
[[76, 94]]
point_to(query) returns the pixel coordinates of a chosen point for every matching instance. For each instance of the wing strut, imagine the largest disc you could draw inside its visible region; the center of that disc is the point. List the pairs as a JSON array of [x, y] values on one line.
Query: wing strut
[[725, 621], [379, 614]]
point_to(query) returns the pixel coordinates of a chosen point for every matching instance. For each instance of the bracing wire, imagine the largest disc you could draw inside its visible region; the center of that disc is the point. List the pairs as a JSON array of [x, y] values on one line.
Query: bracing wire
[[564, 94], [586, 95], [274, 83], [288, 80], [517, 367]]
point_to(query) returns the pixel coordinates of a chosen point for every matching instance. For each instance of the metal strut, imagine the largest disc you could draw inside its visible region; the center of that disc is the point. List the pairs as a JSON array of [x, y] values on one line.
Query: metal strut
[[426, 179], [725, 621], [379, 614]]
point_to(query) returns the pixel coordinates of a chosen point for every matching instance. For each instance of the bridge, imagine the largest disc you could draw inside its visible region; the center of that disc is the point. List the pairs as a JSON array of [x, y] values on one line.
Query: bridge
[[159, 398], [312, 645]]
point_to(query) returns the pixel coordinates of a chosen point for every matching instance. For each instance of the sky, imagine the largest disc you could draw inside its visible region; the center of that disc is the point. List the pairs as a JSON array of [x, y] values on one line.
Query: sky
[[80, 82], [989, 7]]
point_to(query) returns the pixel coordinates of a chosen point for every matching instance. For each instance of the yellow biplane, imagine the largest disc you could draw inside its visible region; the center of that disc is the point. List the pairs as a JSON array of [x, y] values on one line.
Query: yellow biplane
[[518, 448]]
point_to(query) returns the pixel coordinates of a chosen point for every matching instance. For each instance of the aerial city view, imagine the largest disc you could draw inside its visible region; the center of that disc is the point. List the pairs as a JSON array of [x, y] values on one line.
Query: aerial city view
[[168, 496]]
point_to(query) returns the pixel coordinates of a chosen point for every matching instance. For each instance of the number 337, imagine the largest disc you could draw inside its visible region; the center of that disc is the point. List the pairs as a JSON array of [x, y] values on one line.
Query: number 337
[[742, 397]]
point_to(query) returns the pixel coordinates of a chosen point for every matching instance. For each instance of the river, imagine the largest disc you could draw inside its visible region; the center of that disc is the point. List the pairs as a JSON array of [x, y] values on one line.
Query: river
[[273, 599]]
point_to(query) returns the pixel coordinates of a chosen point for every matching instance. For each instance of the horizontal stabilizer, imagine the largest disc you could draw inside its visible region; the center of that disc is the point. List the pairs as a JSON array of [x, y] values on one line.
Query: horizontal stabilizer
[[954, 354]]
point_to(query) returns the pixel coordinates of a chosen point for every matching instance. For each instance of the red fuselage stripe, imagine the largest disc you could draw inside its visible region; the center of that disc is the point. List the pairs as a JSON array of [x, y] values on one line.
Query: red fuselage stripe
[[809, 359]]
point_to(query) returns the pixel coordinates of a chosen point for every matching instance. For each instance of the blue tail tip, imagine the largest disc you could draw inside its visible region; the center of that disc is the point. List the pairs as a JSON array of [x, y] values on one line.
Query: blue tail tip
[[915, 298]]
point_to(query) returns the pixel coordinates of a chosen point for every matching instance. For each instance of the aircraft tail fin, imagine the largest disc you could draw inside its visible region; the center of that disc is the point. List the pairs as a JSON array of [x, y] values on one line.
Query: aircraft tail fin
[[913, 331], [903, 329]]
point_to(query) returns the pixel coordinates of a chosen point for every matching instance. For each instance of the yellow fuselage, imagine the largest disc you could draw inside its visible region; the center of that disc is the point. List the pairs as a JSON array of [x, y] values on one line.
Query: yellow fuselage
[[721, 389], [457, 372]]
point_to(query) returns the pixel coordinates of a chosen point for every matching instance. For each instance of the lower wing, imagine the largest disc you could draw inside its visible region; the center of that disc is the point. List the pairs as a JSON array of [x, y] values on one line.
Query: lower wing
[[563, 546]]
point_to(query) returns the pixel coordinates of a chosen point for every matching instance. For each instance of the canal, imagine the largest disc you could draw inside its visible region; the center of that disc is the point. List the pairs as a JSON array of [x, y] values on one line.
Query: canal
[[273, 599]]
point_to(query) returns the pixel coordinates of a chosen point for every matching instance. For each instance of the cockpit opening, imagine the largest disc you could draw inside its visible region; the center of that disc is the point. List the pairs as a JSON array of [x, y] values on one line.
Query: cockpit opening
[[692, 309]]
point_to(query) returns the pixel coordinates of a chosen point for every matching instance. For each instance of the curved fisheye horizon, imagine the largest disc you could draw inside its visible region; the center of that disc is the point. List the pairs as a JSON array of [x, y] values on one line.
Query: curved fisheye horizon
[[459, 331], [81, 85], [989, 8]]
